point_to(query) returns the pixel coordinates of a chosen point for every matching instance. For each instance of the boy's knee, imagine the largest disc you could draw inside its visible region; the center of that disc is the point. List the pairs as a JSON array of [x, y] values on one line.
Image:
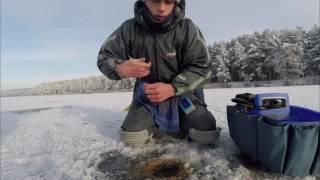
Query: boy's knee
[[137, 119], [133, 125], [200, 119]]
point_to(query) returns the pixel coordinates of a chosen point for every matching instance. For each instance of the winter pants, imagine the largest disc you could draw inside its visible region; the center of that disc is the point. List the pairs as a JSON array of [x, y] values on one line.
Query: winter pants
[[139, 118]]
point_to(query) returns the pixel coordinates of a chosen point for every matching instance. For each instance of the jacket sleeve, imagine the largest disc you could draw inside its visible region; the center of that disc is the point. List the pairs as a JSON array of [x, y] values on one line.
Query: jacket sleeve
[[195, 65], [113, 51]]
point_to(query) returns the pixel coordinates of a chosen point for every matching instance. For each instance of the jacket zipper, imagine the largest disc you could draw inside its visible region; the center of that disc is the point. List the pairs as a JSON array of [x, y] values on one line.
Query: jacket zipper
[[156, 58]]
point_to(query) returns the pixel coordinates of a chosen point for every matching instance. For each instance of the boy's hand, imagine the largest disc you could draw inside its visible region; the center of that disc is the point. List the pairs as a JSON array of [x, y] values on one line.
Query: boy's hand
[[134, 68], [158, 92]]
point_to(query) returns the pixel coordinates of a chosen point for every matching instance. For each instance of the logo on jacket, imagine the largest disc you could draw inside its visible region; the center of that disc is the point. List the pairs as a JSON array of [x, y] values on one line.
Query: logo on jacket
[[172, 54]]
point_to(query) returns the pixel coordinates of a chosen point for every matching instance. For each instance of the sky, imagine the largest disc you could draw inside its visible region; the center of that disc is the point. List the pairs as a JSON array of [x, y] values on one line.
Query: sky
[[51, 40]]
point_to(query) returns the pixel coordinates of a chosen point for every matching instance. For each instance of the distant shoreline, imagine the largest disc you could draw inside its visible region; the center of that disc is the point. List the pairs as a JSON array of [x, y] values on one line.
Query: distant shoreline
[[311, 80]]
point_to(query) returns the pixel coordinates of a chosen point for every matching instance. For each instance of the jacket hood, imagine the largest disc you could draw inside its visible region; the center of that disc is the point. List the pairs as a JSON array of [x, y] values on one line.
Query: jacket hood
[[179, 13]]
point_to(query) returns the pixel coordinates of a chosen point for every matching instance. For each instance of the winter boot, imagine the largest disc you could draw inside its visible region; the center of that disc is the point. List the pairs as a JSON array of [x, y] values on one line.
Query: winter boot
[[138, 139]]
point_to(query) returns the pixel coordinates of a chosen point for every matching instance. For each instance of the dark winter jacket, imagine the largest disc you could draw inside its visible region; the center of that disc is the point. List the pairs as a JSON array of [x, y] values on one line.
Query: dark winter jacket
[[177, 51]]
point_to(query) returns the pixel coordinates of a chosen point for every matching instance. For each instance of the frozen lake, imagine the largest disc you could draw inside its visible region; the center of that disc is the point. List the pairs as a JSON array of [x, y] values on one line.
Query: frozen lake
[[67, 136]]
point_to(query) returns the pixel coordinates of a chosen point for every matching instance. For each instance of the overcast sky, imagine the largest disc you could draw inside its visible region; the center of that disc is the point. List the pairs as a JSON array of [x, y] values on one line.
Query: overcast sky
[[47, 40]]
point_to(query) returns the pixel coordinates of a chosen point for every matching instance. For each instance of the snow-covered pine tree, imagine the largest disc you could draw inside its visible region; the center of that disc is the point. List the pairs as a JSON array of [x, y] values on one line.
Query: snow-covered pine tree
[[255, 59], [213, 51], [290, 63], [238, 61], [270, 45], [223, 70], [313, 51]]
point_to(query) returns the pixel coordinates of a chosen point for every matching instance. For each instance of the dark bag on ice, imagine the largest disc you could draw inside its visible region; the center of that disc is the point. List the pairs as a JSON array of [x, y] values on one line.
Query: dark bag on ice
[[290, 145]]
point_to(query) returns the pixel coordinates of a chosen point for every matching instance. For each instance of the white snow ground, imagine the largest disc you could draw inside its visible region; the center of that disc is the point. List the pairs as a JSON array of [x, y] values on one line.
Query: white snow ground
[[67, 136]]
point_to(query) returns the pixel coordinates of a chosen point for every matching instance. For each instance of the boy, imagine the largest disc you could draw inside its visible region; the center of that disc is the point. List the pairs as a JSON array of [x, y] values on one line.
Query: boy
[[167, 54]]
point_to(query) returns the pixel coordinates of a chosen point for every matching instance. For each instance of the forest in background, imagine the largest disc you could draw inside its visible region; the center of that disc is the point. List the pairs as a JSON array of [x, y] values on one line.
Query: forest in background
[[269, 55], [285, 57]]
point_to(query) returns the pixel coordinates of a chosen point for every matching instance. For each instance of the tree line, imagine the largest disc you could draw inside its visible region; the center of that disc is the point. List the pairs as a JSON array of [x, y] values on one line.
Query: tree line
[[268, 55]]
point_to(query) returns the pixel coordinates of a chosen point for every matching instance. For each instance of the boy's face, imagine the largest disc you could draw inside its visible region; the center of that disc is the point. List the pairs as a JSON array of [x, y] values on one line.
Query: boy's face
[[160, 9]]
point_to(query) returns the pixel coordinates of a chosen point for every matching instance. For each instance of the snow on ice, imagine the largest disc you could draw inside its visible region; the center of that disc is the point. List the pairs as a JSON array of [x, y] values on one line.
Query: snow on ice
[[76, 137]]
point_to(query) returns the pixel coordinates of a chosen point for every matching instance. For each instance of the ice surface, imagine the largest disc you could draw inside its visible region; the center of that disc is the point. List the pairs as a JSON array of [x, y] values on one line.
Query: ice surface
[[76, 137]]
